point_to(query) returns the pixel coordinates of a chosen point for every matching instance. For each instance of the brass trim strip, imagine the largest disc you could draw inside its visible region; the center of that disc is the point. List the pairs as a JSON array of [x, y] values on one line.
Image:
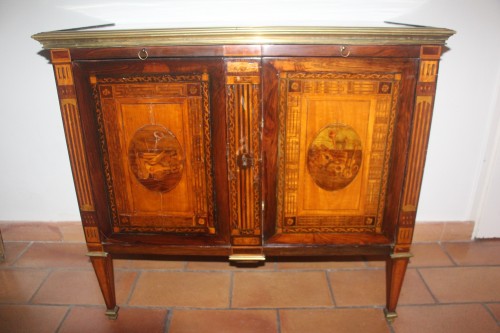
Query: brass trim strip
[[247, 257], [97, 254], [245, 35], [401, 255]]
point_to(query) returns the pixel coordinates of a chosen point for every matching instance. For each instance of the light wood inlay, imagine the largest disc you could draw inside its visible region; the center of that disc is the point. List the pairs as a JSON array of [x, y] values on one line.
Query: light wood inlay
[[426, 89], [75, 141], [72, 126], [150, 178], [428, 71], [64, 76], [313, 107], [422, 122], [244, 128], [91, 234]]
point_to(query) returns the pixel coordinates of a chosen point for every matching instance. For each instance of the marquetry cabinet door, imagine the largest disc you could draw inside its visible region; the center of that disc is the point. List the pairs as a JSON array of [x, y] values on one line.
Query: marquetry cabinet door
[[156, 124], [332, 128]]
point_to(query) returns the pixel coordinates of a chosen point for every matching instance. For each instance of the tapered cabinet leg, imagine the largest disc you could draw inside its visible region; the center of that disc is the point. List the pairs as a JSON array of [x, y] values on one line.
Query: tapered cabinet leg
[[103, 267], [395, 272]]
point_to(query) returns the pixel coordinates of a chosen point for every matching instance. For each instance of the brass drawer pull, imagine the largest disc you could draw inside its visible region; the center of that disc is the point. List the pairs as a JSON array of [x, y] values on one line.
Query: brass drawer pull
[[143, 54], [247, 258], [344, 52]]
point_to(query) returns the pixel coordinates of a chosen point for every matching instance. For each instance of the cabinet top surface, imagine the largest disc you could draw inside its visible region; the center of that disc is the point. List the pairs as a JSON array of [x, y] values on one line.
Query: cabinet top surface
[[398, 35]]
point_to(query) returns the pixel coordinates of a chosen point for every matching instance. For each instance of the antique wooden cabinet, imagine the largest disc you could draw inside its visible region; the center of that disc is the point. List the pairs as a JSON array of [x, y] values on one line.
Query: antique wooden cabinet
[[247, 142]]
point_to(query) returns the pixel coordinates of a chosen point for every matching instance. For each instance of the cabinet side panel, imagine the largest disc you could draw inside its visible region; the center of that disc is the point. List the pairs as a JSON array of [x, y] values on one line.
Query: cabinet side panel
[[74, 138], [421, 122]]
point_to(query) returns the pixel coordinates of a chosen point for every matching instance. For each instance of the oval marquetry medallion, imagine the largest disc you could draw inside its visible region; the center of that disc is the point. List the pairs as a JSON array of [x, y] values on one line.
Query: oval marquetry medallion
[[334, 157], [156, 158]]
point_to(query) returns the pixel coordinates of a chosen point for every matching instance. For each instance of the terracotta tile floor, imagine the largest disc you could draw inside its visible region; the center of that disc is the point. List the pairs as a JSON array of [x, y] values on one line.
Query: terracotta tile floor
[[47, 285]]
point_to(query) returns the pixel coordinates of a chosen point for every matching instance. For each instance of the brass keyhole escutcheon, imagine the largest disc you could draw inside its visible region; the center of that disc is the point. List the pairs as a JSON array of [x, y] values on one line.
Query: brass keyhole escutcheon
[[244, 161]]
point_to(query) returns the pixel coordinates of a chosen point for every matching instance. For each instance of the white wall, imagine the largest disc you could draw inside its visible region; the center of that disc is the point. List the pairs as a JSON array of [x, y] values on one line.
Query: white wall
[[35, 176], [487, 206], [464, 106]]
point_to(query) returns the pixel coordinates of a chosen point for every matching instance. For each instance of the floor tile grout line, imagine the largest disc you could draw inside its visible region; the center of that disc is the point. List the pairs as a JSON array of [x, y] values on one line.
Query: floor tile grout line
[[432, 305], [427, 286], [66, 315], [278, 320], [23, 252], [299, 308], [168, 319], [133, 287], [347, 269], [487, 308], [46, 268], [330, 288], [43, 241], [441, 234], [249, 270], [153, 270], [231, 289], [227, 270], [30, 301], [443, 248], [296, 308], [456, 267]]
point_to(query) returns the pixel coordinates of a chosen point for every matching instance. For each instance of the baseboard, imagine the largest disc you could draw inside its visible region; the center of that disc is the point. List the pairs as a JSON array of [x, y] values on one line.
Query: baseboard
[[443, 231], [64, 230]]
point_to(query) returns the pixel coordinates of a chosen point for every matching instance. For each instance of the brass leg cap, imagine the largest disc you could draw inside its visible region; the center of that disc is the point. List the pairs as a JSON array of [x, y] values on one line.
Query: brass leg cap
[[390, 315], [112, 314]]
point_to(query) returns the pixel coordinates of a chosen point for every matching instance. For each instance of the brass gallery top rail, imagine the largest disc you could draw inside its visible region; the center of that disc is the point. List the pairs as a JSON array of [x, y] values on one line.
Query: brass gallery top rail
[[245, 35]]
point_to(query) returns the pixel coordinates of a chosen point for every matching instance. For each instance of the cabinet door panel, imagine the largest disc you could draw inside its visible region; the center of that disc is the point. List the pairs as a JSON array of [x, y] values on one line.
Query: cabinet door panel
[[155, 134], [336, 123]]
